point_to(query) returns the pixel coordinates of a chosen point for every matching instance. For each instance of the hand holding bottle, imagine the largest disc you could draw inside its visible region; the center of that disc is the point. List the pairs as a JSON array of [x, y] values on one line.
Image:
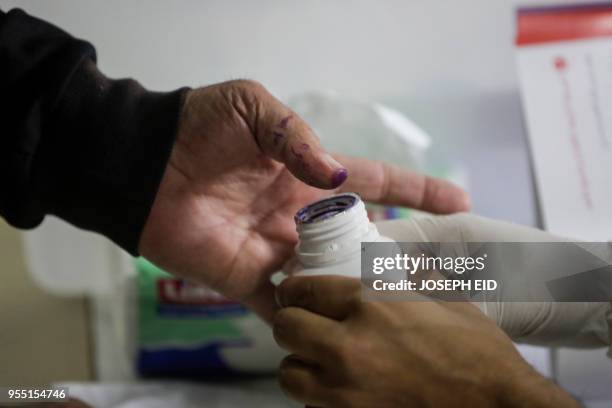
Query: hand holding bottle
[[347, 352], [242, 165]]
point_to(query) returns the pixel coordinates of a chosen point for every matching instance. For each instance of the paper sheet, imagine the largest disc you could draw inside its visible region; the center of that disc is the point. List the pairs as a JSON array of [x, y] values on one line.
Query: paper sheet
[[565, 69]]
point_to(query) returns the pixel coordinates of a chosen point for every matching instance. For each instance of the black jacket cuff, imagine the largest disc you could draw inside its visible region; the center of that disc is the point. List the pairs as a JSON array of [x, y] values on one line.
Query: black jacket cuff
[[110, 143]]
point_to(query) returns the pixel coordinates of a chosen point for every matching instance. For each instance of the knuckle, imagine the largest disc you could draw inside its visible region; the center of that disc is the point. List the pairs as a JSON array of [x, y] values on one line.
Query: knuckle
[[281, 319], [247, 85], [298, 291], [306, 292], [342, 354], [342, 399], [286, 363], [282, 326], [242, 94], [371, 309], [356, 305], [329, 347]]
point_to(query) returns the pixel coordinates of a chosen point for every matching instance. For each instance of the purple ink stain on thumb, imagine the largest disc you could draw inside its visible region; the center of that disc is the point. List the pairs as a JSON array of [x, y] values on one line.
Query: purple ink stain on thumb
[[339, 177], [277, 137], [284, 121]]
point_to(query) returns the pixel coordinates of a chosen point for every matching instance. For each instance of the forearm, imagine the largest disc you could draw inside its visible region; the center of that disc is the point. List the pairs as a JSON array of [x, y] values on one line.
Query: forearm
[[75, 143]]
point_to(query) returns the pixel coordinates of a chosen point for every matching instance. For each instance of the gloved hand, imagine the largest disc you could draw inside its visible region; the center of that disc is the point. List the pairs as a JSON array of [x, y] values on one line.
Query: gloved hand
[[574, 324]]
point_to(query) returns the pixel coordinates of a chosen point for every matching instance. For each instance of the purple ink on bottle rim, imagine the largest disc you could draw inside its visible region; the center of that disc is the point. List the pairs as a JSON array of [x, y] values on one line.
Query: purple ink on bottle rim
[[326, 208]]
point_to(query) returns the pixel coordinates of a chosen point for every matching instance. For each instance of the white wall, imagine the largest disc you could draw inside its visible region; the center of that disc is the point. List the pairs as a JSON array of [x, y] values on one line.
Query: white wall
[[362, 47]]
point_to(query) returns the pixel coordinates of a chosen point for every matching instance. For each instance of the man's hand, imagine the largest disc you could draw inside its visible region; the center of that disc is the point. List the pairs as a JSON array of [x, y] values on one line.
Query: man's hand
[[242, 165], [351, 353]]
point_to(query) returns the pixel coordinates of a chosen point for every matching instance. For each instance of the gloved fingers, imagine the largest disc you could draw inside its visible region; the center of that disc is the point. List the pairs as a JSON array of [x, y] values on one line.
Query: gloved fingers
[[462, 227], [531, 321], [404, 230], [569, 324], [433, 235]]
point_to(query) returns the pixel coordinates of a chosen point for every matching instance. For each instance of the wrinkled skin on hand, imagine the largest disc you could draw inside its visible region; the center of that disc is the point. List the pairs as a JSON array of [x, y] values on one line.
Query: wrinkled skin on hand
[[420, 353], [242, 165]]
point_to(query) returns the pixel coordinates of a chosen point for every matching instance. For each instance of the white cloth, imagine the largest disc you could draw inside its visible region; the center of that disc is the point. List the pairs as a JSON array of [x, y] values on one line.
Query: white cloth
[[574, 324]]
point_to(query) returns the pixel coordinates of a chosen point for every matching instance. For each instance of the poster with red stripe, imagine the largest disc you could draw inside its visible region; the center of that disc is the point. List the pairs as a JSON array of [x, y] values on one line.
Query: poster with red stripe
[[564, 59]]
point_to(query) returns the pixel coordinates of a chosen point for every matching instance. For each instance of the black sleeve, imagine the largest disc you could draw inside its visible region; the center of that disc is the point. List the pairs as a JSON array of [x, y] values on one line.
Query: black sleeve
[[74, 143]]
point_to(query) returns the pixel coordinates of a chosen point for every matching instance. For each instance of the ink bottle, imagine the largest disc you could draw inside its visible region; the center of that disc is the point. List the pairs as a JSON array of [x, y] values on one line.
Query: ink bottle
[[330, 234]]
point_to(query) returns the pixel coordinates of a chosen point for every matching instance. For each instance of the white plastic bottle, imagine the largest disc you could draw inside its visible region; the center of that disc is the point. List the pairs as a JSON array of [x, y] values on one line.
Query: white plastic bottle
[[330, 233]]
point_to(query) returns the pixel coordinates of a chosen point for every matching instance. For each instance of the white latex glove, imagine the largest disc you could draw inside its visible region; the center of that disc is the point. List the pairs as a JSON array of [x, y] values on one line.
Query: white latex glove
[[574, 324]]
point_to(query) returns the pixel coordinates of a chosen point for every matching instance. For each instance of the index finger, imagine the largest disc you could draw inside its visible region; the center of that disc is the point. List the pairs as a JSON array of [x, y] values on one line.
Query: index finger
[[388, 184]]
